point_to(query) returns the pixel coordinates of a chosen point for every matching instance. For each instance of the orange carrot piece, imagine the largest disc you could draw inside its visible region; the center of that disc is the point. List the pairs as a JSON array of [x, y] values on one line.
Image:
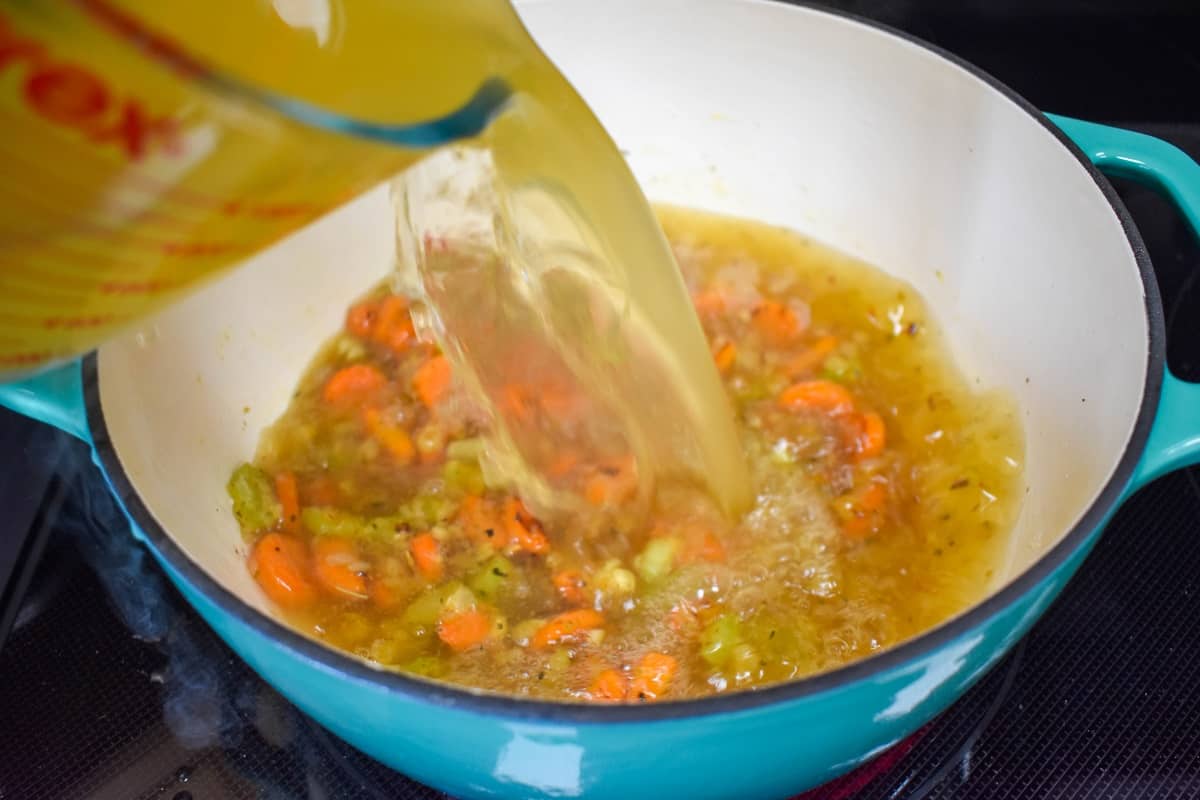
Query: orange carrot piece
[[353, 384], [562, 464], [862, 512], [432, 381], [614, 482], [709, 303], [700, 544], [289, 500], [464, 630], [873, 497], [361, 318], [523, 530], [280, 565], [711, 549], [827, 396], [427, 556], [568, 626], [516, 402], [610, 686], [724, 356], [776, 323], [384, 595], [873, 438], [394, 438], [570, 584], [652, 676], [808, 360], [320, 491], [393, 324], [480, 521], [334, 558]]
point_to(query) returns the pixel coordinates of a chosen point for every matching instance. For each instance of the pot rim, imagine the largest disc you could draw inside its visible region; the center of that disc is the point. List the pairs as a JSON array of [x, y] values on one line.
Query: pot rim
[[445, 695]]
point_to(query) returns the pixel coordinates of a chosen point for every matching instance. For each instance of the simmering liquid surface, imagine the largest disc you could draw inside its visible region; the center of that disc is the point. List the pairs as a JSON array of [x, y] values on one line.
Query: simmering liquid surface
[[884, 491]]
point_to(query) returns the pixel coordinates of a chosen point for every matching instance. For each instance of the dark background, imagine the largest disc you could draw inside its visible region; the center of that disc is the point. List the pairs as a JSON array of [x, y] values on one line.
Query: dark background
[[111, 688]]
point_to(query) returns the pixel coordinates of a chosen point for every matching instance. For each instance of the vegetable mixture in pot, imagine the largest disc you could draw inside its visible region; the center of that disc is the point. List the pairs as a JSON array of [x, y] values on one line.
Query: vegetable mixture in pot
[[885, 490]]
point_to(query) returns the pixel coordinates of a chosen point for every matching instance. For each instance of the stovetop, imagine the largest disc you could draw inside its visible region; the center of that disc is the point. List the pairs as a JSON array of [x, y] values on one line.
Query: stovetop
[[111, 687]]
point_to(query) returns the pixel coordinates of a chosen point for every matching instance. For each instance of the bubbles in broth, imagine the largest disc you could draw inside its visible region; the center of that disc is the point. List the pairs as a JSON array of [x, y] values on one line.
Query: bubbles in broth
[[884, 489]]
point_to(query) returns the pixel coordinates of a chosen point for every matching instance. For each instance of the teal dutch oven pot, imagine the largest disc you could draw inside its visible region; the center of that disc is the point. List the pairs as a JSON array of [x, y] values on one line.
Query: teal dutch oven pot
[[856, 135]]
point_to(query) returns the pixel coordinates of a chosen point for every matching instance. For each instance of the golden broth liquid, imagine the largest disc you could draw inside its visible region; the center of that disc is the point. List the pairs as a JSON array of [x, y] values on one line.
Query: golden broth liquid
[[798, 585], [580, 251]]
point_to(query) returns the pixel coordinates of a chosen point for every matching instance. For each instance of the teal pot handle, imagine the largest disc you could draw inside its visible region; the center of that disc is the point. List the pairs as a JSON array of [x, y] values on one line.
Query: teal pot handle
[[1175, 438], [54, 397]]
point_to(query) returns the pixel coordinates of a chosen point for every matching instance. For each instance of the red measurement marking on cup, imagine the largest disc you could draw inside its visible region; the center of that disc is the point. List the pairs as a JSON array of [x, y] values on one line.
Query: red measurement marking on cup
[[28, 359], [137, 287], [76, 98], [79, 323]]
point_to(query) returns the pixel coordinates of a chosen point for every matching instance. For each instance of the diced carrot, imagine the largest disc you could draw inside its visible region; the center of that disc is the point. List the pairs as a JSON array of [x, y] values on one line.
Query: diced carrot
[[481, 522], [562, 464], [464, 630], [432, 381], [335, 560], [861, 512], [776, 323], [709, 303], [565, 627], [615, 482], [874, 496], [652, 676], [394, 438], [570, 584], [524, 531], [724, 356], [609, 686], [873, 438], [516, 402], [383, 595], [808, 360], [700, 544], [427, 555], [361, 318], [711, 548], [353, 384], [280, 565], [289, 500], [393, 324], [827, 396], [320, 491]]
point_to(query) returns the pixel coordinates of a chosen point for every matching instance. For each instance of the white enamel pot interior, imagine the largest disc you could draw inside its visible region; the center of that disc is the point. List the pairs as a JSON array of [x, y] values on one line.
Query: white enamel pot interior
[[849, 134]]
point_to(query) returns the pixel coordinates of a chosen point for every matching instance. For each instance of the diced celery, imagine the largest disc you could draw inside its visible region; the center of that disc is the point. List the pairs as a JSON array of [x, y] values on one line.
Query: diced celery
[[460, 600], [493, 578], [326, 521], [394, 649], [426, 510], [842, 369], [614, 582], [657, 559], [465, 449], [559, 662], [254, 501], [426, 666], [351, 629], [719, 638], [463, 477], [523, 631], [427, 606]]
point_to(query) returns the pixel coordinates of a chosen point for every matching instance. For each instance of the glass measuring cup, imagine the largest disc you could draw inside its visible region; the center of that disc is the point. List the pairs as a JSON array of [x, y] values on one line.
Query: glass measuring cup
[[135, 163]]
